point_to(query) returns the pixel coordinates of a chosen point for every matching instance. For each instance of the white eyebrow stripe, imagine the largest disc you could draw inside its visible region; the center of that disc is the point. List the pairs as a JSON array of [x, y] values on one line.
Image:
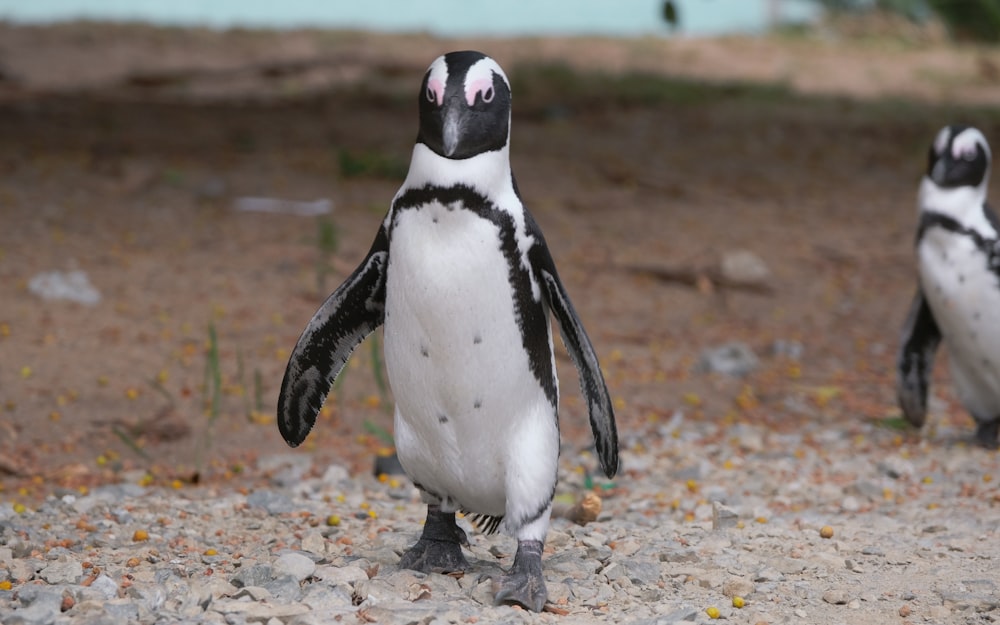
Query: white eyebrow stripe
[[483, 70], [966, 141], [438, 72]]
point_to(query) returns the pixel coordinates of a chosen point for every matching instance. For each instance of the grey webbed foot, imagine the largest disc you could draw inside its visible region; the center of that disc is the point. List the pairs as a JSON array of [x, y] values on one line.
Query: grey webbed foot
[[986, 433], [439, 549], [524, 583]]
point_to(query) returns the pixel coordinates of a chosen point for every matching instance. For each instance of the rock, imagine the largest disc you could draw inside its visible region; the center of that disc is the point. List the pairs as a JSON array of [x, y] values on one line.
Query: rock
[[62, 571], [72, 286], [335, 575], [735, 359], [256, 575], [285, 588], [768, 574], [273, 502], [737, 587], [295, 564], [314, 542], [744, 268], [258, 612], [895, 467], [106, 586], [723, 517], [836, 596], [642, 570]]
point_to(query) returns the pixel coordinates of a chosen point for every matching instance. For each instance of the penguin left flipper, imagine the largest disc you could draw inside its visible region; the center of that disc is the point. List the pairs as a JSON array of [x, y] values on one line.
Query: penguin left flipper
[[581, 351], [350, 314], [921, 337]]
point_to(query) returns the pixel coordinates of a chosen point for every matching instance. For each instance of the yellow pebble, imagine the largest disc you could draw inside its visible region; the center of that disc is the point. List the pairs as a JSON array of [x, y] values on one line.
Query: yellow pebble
[[5, 585], [738, 602], [333, 520], [176, 484], [19, 508], [712, 612], [140, 536], [826, 532], [132, 393], [25, 372], [927, 479], [211, 552]]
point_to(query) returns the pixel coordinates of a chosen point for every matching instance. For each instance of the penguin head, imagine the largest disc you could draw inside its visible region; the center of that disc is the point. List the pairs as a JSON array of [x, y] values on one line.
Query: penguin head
[[464, 106], [959, 157]]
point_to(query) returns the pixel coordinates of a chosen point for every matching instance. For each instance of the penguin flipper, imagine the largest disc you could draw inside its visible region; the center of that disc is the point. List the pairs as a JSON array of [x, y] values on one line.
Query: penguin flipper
[[350, 314], [921, 337], [602, 414]]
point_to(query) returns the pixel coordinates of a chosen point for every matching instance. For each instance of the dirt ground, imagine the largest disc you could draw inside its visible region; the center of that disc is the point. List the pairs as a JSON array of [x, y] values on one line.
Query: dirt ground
[[124, 151]]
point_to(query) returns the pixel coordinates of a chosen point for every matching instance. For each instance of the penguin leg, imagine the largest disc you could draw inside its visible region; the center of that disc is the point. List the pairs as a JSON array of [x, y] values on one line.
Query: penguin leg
[[524, 584], [439, 549], [986, 433]]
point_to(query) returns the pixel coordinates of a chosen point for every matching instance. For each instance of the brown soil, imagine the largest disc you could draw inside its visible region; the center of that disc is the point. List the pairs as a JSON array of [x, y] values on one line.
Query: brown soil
[[123, 149]]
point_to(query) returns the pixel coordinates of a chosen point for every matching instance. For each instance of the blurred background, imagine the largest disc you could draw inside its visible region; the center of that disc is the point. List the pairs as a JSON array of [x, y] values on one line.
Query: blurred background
[[727, 186]]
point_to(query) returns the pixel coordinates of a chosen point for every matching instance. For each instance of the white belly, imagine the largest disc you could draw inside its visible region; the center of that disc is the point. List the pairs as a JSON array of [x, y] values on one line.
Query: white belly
[[965, 299], [472, 423]]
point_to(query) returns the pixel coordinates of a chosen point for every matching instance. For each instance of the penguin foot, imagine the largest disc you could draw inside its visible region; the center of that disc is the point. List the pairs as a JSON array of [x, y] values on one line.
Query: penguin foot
[[439, 549], [986, 434], [524, 583]]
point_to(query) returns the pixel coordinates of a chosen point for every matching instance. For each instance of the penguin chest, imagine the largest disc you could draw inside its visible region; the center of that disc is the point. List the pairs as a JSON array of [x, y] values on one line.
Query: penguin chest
[[964, 295], [468, 406]]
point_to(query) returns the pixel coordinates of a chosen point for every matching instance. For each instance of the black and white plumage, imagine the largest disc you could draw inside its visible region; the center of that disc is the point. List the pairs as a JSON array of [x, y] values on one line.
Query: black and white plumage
[[958, 299], [461, 277]]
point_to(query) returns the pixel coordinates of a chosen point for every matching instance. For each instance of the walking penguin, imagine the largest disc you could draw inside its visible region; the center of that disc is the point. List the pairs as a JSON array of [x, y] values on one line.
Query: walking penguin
[[461, 277], [958, 295]]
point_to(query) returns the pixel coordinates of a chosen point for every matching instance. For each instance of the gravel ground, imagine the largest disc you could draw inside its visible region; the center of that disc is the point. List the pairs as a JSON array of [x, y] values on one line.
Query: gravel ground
[[702, 513]]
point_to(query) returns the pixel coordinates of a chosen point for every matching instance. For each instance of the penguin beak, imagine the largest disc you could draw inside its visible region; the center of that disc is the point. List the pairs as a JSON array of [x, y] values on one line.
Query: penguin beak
[[452, 131]]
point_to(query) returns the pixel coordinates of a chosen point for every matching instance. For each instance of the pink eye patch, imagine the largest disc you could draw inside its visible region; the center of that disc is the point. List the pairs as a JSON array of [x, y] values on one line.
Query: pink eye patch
[[435, 91], [482, 85]]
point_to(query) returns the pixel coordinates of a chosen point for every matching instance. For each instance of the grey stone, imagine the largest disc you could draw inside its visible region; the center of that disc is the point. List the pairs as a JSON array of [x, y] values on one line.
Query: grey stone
[[295, 564], [836, 596], [642, 570], [735, 359], [334, 575], [314, 542], [723, 517], [745, 268], [285, 588], [106, 586], [122, 609], [63, 571], [36, 614], [272, 501], [256, 575]]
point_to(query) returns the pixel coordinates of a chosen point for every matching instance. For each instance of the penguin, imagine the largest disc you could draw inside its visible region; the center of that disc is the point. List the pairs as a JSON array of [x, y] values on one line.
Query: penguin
[[461, 278], [958, 293]]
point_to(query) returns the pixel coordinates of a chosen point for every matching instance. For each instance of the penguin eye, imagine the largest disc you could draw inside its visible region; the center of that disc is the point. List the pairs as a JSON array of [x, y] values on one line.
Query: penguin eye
[[430, 94], [488, 95]]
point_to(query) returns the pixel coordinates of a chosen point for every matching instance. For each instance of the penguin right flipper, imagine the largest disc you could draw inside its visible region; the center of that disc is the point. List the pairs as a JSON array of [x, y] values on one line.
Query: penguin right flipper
[[581, 351], [349, 315], [921, 337]]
